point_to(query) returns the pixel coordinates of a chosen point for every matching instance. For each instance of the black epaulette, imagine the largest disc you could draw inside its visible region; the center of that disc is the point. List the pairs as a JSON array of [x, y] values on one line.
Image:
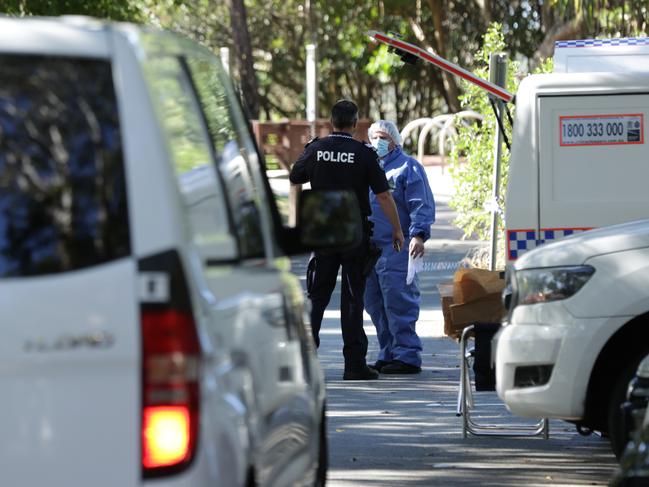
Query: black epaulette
[[314, 139]]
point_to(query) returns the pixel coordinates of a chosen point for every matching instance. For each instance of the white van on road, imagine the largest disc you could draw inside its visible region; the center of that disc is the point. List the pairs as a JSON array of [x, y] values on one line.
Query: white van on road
[[579, 146], [151, 329], [578, 157]]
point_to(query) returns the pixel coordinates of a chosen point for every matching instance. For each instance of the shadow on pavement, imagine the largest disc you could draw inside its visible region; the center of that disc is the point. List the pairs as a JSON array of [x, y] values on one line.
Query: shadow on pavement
[[403, 431]]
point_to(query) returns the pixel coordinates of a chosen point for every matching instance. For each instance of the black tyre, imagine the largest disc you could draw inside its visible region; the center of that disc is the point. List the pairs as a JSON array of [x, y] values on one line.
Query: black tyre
[[633, 482], [323, 454], [250, 481], [618, 434]]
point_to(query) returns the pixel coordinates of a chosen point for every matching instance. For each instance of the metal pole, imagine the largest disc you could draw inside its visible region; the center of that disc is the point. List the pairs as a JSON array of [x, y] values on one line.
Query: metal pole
[[311, 86], [498, 76], [311, 111], [225, 59]]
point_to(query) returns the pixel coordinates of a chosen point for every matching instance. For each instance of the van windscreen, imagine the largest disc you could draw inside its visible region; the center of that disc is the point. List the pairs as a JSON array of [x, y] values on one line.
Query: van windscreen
[[63, 202]]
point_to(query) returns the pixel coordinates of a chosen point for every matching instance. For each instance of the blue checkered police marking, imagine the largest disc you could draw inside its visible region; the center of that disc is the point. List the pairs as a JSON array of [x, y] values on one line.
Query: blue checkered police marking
[[627, 41], [520, 241]]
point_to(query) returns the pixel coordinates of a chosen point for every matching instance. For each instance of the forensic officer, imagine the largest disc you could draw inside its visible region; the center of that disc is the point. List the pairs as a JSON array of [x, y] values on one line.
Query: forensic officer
[[340, 162], [392, 304]]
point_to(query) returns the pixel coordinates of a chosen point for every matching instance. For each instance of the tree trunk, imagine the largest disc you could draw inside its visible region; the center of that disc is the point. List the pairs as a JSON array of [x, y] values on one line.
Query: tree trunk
[[547, 17], [243, 52], [573, 29], [439, 17], [438, 75], [487, 11]]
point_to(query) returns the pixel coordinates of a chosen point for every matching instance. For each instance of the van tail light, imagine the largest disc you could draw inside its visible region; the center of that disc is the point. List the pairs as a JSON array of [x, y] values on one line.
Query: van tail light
[[170, 372]]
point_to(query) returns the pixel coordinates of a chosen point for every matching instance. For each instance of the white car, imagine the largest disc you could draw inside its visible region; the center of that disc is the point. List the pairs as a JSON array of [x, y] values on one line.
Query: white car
[[151, 330], [577, 328]]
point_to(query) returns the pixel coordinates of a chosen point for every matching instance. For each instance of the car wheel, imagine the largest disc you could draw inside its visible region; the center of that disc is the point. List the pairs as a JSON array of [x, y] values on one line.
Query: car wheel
[[618, 434], [323, 454]]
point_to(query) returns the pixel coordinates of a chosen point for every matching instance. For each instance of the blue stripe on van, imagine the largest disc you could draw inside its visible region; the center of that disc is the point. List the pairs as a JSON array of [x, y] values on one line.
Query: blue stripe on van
[[627, 41]]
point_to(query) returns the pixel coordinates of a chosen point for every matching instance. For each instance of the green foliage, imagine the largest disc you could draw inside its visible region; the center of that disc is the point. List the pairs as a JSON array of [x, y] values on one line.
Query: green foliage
[[109, 9], [475, 145], [350, 65], [473, 157]]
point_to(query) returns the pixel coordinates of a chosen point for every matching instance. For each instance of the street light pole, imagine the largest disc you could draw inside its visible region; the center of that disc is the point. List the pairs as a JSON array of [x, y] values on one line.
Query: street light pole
[[225, 59], [497, 76], [311, 87]]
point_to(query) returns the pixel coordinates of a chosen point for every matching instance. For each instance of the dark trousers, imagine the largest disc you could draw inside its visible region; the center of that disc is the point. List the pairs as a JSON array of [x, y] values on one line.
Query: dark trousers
[[323, 270]]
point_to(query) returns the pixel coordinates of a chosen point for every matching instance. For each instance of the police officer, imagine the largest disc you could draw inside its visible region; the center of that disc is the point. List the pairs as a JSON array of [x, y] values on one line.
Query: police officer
[[340, 162]]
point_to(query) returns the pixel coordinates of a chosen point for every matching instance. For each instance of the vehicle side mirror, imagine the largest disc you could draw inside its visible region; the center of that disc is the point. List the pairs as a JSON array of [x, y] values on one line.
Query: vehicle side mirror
[[329, 219]]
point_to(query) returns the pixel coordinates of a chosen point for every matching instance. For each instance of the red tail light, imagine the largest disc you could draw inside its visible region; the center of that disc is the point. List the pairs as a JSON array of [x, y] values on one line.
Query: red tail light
[[170, 407]]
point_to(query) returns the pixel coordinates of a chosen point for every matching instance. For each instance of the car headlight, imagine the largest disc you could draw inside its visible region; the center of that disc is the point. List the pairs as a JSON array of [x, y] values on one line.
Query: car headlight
[[550, 283]]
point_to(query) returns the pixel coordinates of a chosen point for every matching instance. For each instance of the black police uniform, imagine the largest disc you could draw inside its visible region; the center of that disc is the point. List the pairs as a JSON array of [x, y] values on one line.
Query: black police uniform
[[333, 163]]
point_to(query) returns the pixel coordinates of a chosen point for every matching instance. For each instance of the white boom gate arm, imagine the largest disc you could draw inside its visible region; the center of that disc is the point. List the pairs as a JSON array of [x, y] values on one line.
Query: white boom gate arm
[[440, 62]]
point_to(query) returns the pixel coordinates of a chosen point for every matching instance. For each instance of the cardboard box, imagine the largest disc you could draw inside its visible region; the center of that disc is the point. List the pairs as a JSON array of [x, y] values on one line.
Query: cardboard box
[[446, 299], [486, 309], [472, 284], [473, 296]]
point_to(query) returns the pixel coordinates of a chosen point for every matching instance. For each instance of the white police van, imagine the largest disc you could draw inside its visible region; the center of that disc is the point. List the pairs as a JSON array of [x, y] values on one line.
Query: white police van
[[578, 320], [579, 146], [150, 329]]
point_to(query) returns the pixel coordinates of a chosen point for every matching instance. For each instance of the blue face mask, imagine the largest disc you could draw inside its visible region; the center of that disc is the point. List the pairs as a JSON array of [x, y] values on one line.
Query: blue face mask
[[381, 146]]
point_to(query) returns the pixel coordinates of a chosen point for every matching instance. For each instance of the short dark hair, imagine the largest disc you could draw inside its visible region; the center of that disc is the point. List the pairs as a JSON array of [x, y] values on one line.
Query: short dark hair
[[344, 114]]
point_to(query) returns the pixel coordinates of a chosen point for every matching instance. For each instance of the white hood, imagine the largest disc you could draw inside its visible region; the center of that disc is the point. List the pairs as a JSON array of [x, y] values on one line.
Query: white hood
[[575, 250]]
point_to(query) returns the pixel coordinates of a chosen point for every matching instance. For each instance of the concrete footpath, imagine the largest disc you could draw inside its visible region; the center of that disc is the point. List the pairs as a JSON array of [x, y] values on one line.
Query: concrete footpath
[[403, 431]]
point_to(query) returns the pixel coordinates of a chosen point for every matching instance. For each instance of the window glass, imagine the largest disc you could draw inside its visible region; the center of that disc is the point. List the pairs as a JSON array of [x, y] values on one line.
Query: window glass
[[63, 203], [231, 156], [191, 154]]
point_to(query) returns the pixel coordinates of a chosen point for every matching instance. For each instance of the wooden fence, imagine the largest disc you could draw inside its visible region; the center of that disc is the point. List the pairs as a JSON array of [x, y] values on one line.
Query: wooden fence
[[286, 139]]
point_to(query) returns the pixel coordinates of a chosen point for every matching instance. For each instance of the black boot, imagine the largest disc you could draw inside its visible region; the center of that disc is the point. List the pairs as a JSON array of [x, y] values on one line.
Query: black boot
[[368, 373], [379, 364], [399, 367]]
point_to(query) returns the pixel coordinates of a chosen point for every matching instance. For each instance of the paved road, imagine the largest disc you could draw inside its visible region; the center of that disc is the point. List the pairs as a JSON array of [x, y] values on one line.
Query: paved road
[[403, 431]]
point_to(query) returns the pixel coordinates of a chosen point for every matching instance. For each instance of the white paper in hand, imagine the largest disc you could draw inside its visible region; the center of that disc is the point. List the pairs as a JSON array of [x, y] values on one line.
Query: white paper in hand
[[415, 266]]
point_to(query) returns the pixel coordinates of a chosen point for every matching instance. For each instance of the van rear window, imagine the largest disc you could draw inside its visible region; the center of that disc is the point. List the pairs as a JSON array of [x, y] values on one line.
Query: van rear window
[[62, 185]]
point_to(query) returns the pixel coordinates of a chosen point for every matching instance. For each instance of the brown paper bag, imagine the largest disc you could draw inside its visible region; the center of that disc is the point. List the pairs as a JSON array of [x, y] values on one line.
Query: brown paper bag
[[472, 284]]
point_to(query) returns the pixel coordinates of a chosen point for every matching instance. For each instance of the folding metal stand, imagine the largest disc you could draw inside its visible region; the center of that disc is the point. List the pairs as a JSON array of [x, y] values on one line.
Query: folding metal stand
[[465, 402]]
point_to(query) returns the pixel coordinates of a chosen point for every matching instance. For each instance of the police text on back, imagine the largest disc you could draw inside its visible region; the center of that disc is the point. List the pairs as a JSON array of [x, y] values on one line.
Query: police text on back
[[333, 156]]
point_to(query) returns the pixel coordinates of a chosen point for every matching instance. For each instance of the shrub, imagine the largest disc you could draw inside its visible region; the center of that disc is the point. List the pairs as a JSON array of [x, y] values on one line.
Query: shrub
[[473, 155]]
